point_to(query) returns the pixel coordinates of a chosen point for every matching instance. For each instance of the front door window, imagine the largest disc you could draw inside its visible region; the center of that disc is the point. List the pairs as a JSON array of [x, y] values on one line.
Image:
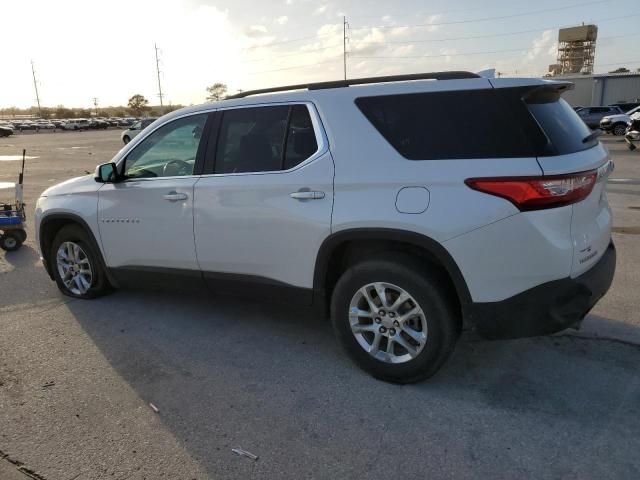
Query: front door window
[[170, 151]]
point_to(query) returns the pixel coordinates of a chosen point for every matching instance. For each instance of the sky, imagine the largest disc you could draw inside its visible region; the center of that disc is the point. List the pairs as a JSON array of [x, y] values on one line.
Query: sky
[[83, 49]]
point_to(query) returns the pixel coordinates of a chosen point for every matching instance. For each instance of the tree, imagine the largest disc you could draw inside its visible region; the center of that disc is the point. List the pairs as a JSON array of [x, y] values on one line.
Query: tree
[[217, 92], [138, 104]]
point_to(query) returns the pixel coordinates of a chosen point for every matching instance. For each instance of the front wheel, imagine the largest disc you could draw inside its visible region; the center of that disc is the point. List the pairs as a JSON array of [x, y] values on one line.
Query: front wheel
[[76, 265], [126, 139], [619, 129], [394, 319]]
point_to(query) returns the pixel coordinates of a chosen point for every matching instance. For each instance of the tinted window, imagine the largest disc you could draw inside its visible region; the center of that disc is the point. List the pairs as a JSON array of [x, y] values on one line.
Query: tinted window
[[169, 151], [563, 128], [447, 125], [301, 139], [264, 139]]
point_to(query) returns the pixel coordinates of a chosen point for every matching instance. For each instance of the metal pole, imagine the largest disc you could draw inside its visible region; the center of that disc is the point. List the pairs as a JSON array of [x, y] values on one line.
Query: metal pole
[[35, 85], [158, 72], [344, 45]]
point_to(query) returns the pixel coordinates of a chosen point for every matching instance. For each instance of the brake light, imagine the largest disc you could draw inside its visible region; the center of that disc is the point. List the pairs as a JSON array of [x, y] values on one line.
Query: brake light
[[538, 193]]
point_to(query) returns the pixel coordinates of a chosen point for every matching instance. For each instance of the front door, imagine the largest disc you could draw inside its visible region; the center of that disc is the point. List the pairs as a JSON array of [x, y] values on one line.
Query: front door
[[146, 220], [264, 212]]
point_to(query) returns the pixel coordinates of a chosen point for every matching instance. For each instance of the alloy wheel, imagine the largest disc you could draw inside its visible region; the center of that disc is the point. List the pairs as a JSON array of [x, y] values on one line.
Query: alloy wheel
[[388, 322], [74, 268]]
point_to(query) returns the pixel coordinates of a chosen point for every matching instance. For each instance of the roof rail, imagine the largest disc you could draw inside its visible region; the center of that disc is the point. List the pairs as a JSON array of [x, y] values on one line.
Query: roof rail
[[455, 75]]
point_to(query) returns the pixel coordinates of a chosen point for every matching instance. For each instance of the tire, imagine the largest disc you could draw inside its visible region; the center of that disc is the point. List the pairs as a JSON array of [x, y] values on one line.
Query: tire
[[22, 234], [441, 326], [619, 129], [126, 139], [11, 241], [91, 285]]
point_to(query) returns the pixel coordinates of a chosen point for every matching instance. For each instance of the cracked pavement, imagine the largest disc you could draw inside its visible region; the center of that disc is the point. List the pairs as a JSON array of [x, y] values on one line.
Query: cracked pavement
[[77, 377]]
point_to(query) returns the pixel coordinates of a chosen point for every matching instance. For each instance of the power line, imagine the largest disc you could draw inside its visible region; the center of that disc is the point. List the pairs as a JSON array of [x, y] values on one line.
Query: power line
[[435, 40], [490, 35], [292, 40], [295, 66], [486, 19], [462, 54], [295, 54]]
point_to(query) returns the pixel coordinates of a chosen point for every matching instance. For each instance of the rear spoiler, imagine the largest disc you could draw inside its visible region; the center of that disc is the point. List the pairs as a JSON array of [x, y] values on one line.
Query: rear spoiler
[[547, 93]]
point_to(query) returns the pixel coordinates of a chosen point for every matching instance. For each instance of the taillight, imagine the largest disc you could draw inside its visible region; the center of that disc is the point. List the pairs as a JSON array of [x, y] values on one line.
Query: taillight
[[537, 193]]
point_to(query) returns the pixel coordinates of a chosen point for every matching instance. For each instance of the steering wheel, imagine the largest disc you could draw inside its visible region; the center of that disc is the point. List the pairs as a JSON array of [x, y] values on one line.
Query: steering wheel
[[175, 168]]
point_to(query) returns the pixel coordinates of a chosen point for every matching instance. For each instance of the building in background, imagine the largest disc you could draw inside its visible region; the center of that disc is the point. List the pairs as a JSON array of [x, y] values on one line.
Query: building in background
[[602, 89]]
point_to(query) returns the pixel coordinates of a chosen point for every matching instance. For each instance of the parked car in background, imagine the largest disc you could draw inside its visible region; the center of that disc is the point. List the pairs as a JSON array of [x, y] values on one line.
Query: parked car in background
[[76, 124], [26, 125], [57, 122], [45, 125], [617, 124], [625, 107], [136, 128], [592, 115], [5, 130], [98, 124]]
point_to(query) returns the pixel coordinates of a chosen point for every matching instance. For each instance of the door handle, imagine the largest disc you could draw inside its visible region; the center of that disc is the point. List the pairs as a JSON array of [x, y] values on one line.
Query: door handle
[[175, 196], [306, 195]]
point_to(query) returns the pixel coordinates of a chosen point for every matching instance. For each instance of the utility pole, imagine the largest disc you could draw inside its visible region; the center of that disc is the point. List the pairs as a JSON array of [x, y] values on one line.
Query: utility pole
[[158, 72], [344, 45], [95, 104], [35, 85]]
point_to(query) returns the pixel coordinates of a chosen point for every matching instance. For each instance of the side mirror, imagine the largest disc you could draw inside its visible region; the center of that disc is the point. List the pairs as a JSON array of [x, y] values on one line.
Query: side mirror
[[106, 173]]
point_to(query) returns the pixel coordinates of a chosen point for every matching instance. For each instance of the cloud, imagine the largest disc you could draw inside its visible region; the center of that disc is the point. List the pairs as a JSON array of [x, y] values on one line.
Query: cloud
[[320, 10], [282, 20], [256, 31]]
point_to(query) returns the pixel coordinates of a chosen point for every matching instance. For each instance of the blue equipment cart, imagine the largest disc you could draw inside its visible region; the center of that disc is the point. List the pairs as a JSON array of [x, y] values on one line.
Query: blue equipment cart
[[12, 217]]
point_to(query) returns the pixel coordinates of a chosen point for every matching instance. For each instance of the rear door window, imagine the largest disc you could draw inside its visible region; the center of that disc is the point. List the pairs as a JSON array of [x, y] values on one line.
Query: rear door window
[[447, 125], [264, 139]]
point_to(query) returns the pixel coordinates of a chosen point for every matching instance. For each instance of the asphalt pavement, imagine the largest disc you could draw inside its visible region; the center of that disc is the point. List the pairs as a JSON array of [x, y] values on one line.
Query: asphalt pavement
[[77, 377]]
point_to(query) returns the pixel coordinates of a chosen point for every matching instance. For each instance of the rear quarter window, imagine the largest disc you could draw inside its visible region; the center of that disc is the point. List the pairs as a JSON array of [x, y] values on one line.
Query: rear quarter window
[[447, 125], [563, 128]]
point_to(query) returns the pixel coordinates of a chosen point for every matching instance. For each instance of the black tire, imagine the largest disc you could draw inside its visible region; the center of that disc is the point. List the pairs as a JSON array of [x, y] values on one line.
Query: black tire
[[619, 129], [99, 283], [425, 286], [11, 241], [126, 139], [23, 235]]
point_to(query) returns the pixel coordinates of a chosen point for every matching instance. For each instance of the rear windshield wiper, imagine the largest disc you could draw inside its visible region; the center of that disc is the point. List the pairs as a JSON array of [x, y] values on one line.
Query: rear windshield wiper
[[592, 136]]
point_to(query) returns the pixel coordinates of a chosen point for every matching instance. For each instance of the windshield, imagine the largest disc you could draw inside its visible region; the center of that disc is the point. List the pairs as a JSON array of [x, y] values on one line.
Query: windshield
[[633, 110]]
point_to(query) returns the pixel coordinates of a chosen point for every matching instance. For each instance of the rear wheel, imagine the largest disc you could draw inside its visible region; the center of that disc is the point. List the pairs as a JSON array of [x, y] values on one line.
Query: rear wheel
[[11, 241], [619, 129], [76, 265], [126, 139], [394, 319]]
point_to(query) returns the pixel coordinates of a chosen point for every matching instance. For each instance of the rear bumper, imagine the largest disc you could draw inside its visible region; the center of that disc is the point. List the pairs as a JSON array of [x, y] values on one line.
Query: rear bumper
[[547, 308]]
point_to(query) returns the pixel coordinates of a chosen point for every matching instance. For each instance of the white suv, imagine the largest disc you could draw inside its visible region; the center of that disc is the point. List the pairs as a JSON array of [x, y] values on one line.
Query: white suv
[[410, 206]]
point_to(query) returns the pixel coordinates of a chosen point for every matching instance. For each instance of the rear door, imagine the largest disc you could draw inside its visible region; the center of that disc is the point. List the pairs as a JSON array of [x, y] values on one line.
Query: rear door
[[264, 209], [572, 150]]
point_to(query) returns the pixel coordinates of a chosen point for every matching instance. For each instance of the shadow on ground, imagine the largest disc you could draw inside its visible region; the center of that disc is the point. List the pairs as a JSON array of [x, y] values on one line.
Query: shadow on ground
[[228, 372]]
